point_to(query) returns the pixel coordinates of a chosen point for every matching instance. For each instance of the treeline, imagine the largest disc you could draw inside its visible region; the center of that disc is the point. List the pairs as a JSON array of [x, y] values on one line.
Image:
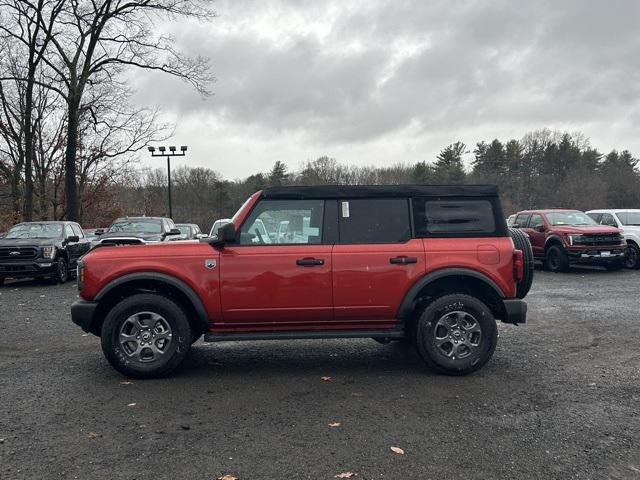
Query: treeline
[[543, 169]]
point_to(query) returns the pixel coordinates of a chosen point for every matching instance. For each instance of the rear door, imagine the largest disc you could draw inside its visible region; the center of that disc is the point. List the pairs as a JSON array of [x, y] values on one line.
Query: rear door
[[278, 275], [375, 261]]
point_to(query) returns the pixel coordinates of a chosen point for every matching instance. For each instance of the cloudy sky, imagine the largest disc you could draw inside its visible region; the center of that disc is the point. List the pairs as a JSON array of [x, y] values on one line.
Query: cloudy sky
[[385, 81]]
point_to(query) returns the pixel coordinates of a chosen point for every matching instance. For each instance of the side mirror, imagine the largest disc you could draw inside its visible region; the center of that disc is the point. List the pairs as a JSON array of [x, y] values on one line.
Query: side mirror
[[98, 232], [539, 228], [174, 231], [515, 225], [202, 235], [226, 234], [73, 239]]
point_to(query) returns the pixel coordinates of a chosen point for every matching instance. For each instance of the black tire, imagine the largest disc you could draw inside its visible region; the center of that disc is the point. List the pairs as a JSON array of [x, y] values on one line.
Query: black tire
[[428, 330], [615, 266], [1, 281], [521, 242], [138, 306], [61, 274], [556, 259], [632, 258]]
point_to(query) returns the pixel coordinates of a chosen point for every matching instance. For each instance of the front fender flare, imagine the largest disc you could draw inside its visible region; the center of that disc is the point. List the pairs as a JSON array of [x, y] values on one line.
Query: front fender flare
[[186, 290]]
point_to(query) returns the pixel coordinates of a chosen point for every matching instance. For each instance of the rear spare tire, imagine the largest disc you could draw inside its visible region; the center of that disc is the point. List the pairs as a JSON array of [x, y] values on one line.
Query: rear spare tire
[[521, 242], [146, 336]]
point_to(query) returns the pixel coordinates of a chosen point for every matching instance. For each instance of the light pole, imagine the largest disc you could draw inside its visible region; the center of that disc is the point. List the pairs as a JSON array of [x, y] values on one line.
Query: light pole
[[171, 153]]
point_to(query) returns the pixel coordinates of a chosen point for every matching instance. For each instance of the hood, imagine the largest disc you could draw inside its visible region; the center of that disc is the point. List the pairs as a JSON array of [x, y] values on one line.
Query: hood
[[586, 229], [28, 242]]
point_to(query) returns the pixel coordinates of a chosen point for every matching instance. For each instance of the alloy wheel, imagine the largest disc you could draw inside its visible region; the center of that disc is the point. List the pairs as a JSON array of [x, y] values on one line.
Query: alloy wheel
[[457, 335], [145, 336]]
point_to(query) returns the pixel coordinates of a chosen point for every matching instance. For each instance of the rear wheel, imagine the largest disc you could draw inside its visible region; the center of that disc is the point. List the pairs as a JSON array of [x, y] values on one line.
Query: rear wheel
[[456, 334], [632, 256], [146, 336], [522, 243], [556, 259]]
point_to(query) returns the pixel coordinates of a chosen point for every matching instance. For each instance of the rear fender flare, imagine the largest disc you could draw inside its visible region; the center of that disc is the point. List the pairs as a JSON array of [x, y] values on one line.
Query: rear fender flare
[[406, 307]]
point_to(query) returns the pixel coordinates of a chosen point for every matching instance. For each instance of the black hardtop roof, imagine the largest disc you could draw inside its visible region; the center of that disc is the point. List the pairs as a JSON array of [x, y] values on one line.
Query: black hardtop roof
[[366, 191]]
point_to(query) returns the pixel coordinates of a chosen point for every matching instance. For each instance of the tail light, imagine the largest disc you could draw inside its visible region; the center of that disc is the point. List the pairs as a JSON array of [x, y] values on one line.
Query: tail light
[[518, 265]]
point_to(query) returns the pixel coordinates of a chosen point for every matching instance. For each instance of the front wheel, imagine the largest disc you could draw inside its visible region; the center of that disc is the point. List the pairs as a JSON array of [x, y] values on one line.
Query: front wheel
[[632, 257], [61, 275], [146, 336], [456, 334], [556, 259]]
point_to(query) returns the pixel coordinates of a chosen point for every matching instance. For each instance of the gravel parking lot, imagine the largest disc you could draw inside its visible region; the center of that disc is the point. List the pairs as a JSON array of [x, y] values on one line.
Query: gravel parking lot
[[560, 399]]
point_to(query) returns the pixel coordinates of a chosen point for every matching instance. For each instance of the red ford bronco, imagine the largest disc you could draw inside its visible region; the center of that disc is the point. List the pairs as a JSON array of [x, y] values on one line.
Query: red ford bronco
[[435, 266]]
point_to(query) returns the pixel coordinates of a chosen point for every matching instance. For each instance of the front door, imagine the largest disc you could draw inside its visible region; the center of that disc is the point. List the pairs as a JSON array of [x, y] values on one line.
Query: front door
[[278, 274], [537, 234], [374, 262]]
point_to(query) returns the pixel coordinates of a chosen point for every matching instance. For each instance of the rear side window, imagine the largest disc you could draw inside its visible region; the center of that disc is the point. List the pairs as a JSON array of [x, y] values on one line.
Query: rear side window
[[466, 217], [374, 220]]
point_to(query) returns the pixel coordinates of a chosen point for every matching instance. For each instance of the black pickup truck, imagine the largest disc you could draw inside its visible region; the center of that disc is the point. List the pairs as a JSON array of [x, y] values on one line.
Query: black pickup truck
[[42, 250]]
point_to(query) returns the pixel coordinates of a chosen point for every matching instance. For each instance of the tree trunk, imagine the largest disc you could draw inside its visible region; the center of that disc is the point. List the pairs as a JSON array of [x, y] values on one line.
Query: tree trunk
[[43, 198], [29, 151], [70, 181], [15, 195]]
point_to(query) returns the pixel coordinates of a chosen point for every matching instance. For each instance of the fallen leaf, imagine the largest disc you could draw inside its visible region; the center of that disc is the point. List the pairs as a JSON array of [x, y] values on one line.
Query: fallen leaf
[[92, 435], [346, 475], [126, 382], [132, 404], [397, 450], [227, 477], [326, 379], [336, 424]]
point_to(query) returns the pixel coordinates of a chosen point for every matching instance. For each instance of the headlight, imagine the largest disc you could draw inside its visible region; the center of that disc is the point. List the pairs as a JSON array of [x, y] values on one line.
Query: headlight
[[80, 274], [573, 239], [49, 252]]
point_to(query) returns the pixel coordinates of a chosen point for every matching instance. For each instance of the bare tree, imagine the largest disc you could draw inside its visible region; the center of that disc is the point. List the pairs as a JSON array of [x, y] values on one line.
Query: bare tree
[[95, 41]]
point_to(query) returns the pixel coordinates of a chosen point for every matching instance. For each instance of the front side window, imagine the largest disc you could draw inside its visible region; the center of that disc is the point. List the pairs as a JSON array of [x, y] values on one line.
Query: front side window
[[68, 231], [374, 220], [77, 230], [453, 217], [629, 218], [607, 219], [282, 222], [521, 220], [536, 221]]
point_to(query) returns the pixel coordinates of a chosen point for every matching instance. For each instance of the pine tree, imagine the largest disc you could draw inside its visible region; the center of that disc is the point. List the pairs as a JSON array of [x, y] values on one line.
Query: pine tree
[[448, 167], [278, 175]]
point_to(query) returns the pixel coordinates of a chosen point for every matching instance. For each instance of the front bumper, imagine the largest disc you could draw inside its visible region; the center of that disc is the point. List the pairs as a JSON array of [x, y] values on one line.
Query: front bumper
[[515, 311], [83, 314], [597, 255], [30, 269]]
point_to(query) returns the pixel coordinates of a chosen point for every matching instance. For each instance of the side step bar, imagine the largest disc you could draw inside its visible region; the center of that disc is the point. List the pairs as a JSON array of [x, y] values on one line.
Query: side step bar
[[303, 335]]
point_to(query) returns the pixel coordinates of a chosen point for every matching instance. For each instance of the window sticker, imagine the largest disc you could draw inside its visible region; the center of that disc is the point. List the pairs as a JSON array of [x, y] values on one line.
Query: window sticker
[[345, 209]]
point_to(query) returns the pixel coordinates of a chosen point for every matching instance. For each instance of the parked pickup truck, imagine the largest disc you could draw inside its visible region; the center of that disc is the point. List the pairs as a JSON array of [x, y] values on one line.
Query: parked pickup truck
[[561, 238], [42, 250], [434, 266]]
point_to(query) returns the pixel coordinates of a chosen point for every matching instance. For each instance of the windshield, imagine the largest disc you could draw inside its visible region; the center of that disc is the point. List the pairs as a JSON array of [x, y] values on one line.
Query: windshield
[[631, 219], [36, 230], [136, 226], [570, 218]]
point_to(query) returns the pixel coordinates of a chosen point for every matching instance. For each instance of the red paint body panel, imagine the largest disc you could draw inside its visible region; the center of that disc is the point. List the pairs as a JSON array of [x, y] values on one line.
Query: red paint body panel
[[463, 253], [182, 260], [263, 285], [366, 286]]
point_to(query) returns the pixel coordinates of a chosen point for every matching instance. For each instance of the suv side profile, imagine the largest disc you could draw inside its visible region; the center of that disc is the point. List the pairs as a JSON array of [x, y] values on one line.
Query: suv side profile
[[628, 221], [432, 265], [561, 237]]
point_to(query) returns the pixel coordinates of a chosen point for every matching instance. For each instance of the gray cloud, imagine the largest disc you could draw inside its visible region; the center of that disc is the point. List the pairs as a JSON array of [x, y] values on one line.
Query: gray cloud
[[300, 78]]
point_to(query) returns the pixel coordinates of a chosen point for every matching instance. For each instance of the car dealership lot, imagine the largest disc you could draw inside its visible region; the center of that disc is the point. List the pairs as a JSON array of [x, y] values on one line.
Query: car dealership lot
[[559, 399]]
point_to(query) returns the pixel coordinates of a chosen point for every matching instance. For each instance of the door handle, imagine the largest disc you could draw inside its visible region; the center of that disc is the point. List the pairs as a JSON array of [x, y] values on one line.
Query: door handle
[[403, 260], [309, 262]]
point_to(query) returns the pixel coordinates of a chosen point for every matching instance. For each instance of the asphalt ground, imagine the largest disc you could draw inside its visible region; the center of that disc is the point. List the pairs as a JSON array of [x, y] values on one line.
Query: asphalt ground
[[559, 400]]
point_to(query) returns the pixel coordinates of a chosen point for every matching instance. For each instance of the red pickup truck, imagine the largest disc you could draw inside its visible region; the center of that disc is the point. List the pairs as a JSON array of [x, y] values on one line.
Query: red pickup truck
[[435, 266]]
